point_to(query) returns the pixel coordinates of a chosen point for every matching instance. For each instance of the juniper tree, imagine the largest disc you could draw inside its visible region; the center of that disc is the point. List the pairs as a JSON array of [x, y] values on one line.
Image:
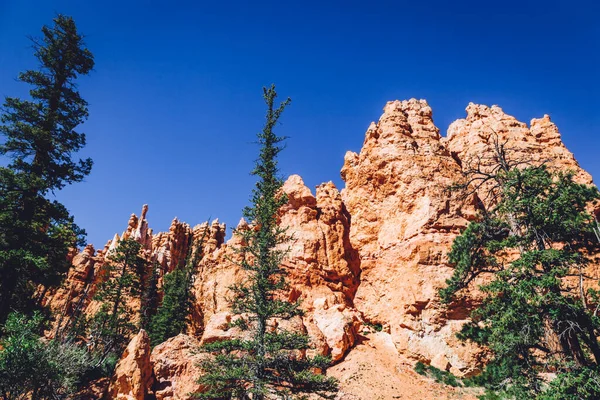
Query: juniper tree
[[534, 243], [39, 141], [269, 363]]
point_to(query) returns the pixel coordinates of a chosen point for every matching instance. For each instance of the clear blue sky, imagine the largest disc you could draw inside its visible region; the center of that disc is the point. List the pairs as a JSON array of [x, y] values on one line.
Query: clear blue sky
[[175, 98]]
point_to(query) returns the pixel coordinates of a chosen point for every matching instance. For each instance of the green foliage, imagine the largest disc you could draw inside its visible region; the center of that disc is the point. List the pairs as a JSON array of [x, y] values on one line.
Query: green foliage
[[490, 395], [421, 368], [21, 359], [575, 384], [270, 362], [437, 374], [112, 326], [172, 315], [583, 383], [375, 327], [30, 366], [39, 140], [150, 299], [538, 234]]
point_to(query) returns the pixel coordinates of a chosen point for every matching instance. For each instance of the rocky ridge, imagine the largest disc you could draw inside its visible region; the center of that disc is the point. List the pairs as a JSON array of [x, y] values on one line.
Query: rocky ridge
[[369, 258]]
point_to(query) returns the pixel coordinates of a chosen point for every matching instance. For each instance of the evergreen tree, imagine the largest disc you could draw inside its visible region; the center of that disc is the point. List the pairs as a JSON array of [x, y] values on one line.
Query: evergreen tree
[[39, 140], [112, 326], [150, 300], [534, 243], [172, 315], [270, 363]]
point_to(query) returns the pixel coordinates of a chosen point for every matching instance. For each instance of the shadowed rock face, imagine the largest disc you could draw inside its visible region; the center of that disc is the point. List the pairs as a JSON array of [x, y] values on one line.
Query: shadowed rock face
[[374, 254]]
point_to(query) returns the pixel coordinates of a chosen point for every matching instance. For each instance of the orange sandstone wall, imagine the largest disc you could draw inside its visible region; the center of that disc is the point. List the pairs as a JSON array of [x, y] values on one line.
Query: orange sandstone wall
[[374, 253]]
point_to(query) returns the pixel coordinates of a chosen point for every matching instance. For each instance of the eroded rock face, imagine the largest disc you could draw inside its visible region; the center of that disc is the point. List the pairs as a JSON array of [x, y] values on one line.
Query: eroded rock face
[[168, 249], [71, 296], [403, 223], [321, 264], [219, 328], [321, 260], [338, 325], [133, 373], [472, 140], [372, 256], [171, 248], [176, 368], [374, 369]]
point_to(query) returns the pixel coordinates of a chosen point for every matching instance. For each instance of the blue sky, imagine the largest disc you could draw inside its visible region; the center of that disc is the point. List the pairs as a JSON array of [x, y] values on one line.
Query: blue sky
[[175, 98]]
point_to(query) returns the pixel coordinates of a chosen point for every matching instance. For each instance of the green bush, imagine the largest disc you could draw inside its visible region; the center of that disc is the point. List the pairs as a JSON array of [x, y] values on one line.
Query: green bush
[[583, 383], [374, 327], [437, 374], [30, 365], [421, 369]]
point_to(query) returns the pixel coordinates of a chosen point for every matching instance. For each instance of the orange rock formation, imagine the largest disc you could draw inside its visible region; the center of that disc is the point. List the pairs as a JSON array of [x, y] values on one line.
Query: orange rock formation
[[371, 256]]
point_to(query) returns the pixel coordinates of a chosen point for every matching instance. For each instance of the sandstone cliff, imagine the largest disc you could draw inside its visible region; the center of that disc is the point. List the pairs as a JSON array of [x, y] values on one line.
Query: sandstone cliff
[[369, 258]]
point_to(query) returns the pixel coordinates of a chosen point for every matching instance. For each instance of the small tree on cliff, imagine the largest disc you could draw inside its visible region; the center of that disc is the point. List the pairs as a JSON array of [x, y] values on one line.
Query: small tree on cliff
[[534, 242], [270, 362], [113, 324], [40, 139]]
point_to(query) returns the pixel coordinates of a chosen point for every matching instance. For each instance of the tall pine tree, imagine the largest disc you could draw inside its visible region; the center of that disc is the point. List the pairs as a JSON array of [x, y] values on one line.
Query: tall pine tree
[[269, 364], [39, 140]]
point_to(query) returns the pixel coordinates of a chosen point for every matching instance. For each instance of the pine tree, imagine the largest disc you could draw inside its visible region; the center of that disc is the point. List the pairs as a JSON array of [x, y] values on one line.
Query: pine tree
[[534, 242], [112, 326], [173, 313], [269, 364], [150, 298], [39, 140]]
